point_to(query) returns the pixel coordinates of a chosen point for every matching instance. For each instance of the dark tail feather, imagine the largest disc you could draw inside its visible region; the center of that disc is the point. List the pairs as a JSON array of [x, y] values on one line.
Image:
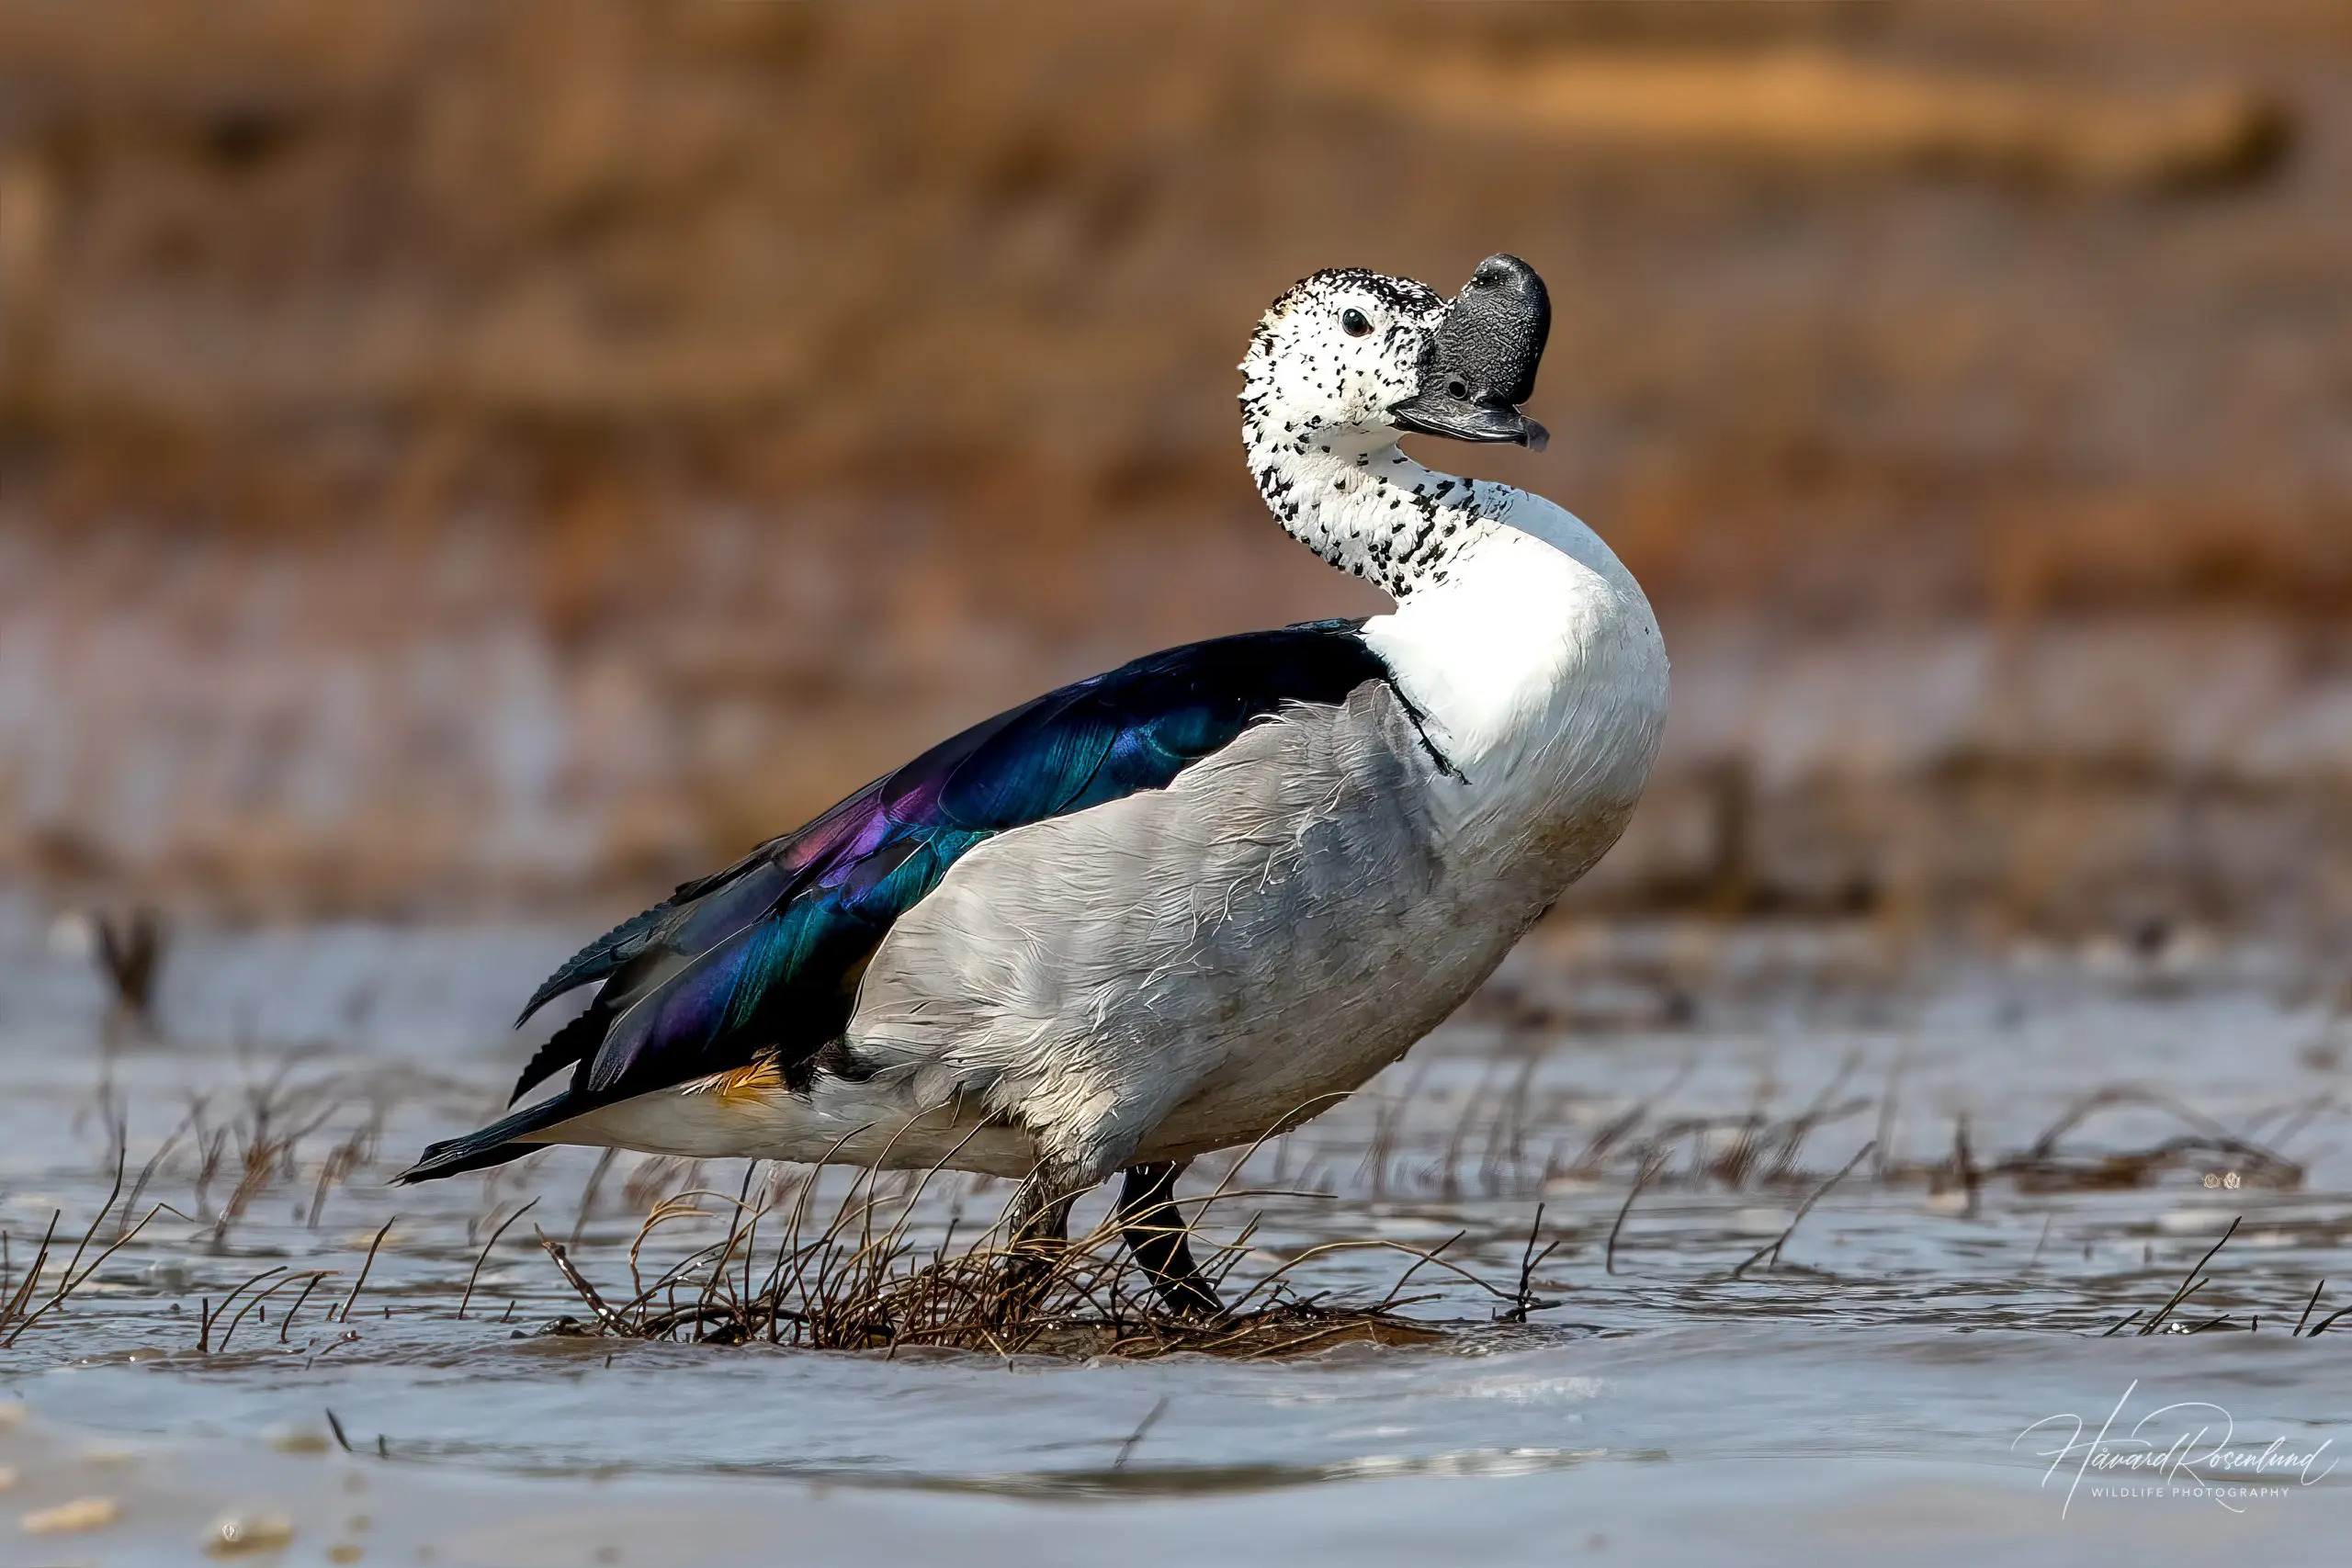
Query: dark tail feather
[[566, 1046], [493, 1144], [598, 959]]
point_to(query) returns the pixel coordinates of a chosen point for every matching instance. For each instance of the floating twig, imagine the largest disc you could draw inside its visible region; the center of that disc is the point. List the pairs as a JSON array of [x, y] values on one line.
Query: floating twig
[[382, 1231], [1773, 1249], [483, 1255], [1151, 1419], [1651, 1163], [2192, 1283], [2307, 1308], [1523, 1299]]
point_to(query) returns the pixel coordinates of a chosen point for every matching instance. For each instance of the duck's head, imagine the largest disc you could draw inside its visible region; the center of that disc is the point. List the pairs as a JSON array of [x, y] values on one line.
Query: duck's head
[[1356, 358]]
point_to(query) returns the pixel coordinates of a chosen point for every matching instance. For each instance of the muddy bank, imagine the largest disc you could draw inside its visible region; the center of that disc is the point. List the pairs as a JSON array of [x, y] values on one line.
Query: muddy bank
[[366, 724], [451, 455]]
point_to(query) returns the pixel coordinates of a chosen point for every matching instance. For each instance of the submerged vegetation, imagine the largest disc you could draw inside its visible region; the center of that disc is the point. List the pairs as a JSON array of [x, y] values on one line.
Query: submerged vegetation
[[897, 1263], [240, 1209], [857, 1285]]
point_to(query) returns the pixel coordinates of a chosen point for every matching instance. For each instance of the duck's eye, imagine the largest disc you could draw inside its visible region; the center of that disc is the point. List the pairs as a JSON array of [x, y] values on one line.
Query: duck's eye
[[1354, 323]]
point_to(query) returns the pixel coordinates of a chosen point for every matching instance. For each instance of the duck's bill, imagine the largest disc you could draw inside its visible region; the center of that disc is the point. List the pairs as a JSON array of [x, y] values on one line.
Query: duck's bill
[[1456, 419], [1480, 362]]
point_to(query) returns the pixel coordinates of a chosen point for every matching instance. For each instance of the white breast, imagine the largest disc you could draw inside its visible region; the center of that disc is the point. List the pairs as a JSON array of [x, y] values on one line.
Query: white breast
[[1539, 672]]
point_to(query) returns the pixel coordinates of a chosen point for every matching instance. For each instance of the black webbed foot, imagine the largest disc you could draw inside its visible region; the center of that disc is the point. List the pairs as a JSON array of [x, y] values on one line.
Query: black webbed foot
[[1156, 1233]]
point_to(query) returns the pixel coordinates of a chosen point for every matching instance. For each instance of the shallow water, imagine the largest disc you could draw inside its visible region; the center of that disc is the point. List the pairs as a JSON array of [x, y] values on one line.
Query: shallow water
[[1868, 1392]]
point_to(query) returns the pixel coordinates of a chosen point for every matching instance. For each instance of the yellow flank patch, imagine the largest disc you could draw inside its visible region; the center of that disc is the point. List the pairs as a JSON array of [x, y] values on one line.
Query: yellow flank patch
[[755, 1082]]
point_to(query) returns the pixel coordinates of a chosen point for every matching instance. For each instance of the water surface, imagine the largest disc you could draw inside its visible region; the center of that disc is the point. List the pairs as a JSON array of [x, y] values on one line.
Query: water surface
[[1894, 1381]]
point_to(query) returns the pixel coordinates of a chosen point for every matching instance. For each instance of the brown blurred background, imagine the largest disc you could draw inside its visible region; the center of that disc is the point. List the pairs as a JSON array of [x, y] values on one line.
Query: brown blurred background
[[459, 456]]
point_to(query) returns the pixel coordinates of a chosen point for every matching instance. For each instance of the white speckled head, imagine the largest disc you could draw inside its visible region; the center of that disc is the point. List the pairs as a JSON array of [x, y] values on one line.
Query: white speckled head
[[1346, 362], [1349, 359], [1335, 353]]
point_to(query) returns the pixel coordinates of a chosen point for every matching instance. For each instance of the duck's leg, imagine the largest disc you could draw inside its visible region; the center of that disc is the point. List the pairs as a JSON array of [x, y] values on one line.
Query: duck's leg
[[1156, 1234], [1040, 1228]]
